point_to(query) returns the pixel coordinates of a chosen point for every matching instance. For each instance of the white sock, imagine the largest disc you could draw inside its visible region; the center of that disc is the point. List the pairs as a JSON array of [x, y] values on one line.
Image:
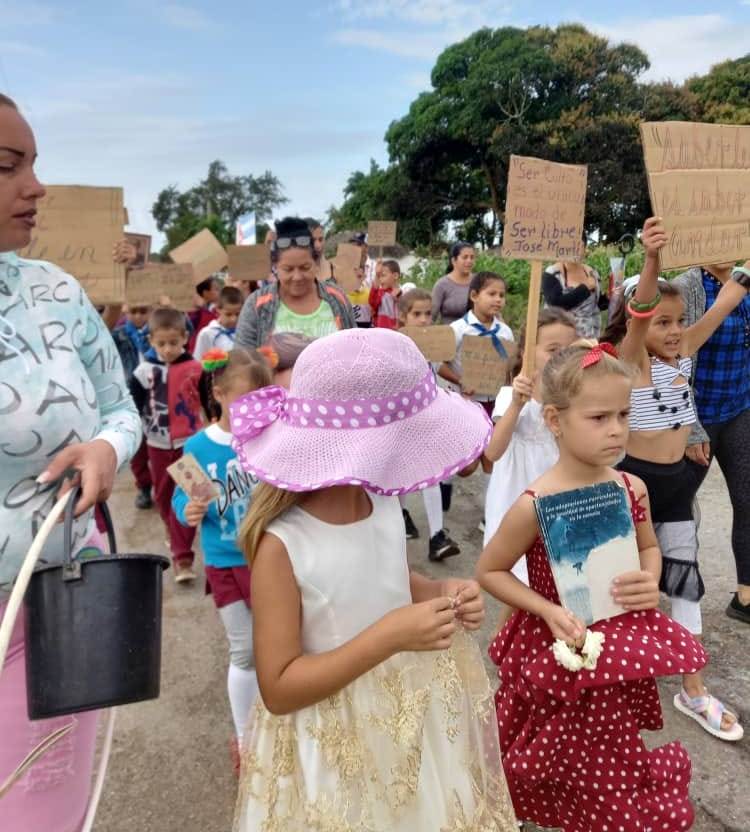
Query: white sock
[[242, 686], [433, 506]]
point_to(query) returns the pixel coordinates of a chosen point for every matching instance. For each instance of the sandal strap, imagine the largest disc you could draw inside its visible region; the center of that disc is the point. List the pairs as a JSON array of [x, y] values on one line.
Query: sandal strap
[[707, 706]]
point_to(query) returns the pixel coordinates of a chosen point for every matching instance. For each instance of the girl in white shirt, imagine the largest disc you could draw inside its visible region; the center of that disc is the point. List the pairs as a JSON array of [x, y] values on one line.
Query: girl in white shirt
[[483, 317], [521, 447]]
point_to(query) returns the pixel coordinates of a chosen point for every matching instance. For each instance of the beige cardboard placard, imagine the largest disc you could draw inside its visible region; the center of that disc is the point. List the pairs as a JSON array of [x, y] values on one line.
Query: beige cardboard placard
[[436, 343], [345, 264], [77, 228], [146, 286], [249, 262], [482, 369], [381, 233], [204, 251], [544, 210], [699, 181], [192, 479], [142, 244]]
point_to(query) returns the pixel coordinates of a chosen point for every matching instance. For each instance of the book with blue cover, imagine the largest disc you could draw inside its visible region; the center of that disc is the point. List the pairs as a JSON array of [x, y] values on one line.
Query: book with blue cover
[[590, 540]]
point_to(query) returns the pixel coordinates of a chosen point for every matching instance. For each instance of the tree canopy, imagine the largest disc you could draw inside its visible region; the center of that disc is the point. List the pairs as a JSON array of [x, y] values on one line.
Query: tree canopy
[[216, 203], [563, 94]]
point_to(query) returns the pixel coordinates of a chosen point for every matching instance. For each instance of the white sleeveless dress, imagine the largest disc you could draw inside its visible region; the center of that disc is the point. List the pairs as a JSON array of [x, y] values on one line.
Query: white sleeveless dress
[[411, 746]]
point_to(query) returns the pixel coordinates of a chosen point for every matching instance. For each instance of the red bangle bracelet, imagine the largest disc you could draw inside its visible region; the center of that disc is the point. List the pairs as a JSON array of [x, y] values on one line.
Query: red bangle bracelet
[[634, 314]]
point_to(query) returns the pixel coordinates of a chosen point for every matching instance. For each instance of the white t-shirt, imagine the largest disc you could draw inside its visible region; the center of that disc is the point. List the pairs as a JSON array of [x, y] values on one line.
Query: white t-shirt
[[532, 451], [463, 326]]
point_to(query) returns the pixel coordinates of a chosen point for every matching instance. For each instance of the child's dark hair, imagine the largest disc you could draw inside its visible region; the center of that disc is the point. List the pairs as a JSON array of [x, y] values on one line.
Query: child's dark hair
[[392, 266], [242, 364], [479, 281], [408, 299], [7, 102], [165, 317], [230, 296], [547, 317], [292, 227], [618, 325], [205, 286]]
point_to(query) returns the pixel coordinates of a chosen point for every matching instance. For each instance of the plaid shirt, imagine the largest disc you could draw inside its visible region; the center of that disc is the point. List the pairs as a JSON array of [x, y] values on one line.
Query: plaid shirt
[[722, 375]]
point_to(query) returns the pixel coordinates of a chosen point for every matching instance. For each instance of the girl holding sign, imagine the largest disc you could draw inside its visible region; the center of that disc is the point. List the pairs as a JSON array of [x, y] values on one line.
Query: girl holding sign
[[662, 415]]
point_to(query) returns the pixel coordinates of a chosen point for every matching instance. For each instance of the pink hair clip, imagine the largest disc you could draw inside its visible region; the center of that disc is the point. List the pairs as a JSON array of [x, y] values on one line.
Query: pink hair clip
[[595, 354]]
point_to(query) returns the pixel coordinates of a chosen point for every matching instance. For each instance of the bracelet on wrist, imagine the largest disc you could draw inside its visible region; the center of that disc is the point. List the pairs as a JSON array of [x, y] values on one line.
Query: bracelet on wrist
[[636, 314], [741, 275], [635, 306]]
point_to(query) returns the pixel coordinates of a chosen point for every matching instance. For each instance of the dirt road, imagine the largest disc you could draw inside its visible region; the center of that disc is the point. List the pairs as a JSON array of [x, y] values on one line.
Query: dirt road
[[170, 768]]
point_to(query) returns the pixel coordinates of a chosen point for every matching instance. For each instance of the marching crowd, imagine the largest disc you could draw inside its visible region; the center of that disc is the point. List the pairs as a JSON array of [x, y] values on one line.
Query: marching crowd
[[359, 698]]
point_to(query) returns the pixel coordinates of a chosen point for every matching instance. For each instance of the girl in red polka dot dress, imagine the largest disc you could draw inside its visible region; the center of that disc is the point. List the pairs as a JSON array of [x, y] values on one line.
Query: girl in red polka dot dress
[[571, 744]]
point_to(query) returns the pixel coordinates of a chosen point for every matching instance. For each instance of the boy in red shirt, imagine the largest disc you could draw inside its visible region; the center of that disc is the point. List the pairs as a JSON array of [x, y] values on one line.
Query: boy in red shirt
[[384, 296]]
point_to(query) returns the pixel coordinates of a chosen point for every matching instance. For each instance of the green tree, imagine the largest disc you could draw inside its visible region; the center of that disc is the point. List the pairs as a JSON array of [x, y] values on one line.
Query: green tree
[[724, 93], [215, 203]]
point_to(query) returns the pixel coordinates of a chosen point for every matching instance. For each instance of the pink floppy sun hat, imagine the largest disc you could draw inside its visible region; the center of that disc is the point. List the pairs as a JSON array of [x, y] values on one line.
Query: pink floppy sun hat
[[363, 409]]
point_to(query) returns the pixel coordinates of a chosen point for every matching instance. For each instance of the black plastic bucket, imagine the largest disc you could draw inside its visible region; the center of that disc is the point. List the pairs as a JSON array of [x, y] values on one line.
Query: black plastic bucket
[[93, 629]]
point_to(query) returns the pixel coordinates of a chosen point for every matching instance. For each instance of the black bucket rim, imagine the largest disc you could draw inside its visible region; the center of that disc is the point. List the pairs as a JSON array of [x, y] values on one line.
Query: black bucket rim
[[117, 557]]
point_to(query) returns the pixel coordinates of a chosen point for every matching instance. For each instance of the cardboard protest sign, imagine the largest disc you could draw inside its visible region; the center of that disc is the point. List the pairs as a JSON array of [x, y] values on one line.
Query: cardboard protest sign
[[77, 228], [192, 479], [482, 368], [544, 210], [146, 286], [381, 233], [204, 251], [345, 264], [142, 245], [436, 343], [248, 262], [699, 181]]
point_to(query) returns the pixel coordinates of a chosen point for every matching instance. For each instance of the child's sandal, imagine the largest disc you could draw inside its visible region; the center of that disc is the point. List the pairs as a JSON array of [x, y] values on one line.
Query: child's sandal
[[709, 712]]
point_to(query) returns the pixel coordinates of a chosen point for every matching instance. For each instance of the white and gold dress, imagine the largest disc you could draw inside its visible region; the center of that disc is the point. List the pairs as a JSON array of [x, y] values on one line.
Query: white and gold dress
[[411, 746]]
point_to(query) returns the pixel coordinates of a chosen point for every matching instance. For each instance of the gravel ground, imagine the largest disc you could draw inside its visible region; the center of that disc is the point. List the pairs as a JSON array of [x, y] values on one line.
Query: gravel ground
[[170, 770]]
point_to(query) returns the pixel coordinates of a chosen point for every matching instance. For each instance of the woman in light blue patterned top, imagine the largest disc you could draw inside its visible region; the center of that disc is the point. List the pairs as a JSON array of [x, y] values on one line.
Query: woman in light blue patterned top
[[63, 404]]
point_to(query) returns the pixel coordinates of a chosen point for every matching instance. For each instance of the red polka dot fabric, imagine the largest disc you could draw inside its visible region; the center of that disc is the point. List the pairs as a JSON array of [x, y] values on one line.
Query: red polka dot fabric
[[572, 751]]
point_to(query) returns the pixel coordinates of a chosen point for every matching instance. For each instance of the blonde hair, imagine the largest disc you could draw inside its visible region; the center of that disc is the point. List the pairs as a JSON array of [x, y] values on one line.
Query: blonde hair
[[563, 376], [268, 503]]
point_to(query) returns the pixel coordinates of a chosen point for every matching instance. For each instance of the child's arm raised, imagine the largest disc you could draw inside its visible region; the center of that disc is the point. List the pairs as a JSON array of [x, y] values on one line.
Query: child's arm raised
[[640, 590], [633, 346], [502, 433], [514, 538], [729, 298], [290, 679]]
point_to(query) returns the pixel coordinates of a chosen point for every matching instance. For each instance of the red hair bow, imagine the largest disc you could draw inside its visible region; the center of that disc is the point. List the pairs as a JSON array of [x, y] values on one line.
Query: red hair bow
[[595, 354]]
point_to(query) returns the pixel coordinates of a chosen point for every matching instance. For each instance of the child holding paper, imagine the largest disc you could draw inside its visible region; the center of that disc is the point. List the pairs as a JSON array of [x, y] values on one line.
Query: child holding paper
[[164, 388], [228, 376], [415, 309], [657, 342], [384, 296], [219, 333], [572, 702]]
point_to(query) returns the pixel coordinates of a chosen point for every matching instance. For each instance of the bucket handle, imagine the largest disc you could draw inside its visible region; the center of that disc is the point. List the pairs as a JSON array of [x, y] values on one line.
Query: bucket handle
[[71, 568]]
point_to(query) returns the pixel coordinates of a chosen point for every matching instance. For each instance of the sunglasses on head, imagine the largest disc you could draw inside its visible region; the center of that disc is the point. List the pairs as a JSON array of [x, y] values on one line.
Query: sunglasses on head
[[300, 241]]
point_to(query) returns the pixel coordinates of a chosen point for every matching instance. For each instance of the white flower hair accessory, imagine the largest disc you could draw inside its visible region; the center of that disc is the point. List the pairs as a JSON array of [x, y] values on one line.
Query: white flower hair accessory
[[586, 659]]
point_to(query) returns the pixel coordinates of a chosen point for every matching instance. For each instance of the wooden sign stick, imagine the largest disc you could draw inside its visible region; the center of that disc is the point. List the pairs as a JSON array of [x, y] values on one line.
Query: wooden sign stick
[[532, 318]]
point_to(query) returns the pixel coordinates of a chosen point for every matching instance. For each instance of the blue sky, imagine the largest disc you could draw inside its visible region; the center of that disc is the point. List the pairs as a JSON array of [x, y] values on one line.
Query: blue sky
[[144, 94]]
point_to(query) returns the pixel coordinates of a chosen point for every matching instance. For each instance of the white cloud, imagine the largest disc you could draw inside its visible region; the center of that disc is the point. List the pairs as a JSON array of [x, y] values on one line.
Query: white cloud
[[179, 16], [27, 13], [145, 132], [8, 47], [427, 12], [682, 45], [404, 44]]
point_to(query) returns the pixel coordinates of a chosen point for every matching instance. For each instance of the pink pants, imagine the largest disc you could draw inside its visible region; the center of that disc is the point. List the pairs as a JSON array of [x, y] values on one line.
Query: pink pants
[[54, 793]]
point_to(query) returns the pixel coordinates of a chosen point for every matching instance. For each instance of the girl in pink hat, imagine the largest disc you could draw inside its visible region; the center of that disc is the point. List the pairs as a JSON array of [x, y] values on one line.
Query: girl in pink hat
[[376, 713]]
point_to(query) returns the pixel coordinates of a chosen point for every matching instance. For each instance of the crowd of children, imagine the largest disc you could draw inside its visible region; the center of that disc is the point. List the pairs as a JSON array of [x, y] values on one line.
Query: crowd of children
[[363, 666]]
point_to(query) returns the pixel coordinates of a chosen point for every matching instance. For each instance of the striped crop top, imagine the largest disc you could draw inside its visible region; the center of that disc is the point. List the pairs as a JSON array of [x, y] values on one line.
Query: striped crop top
[[664, 405]]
